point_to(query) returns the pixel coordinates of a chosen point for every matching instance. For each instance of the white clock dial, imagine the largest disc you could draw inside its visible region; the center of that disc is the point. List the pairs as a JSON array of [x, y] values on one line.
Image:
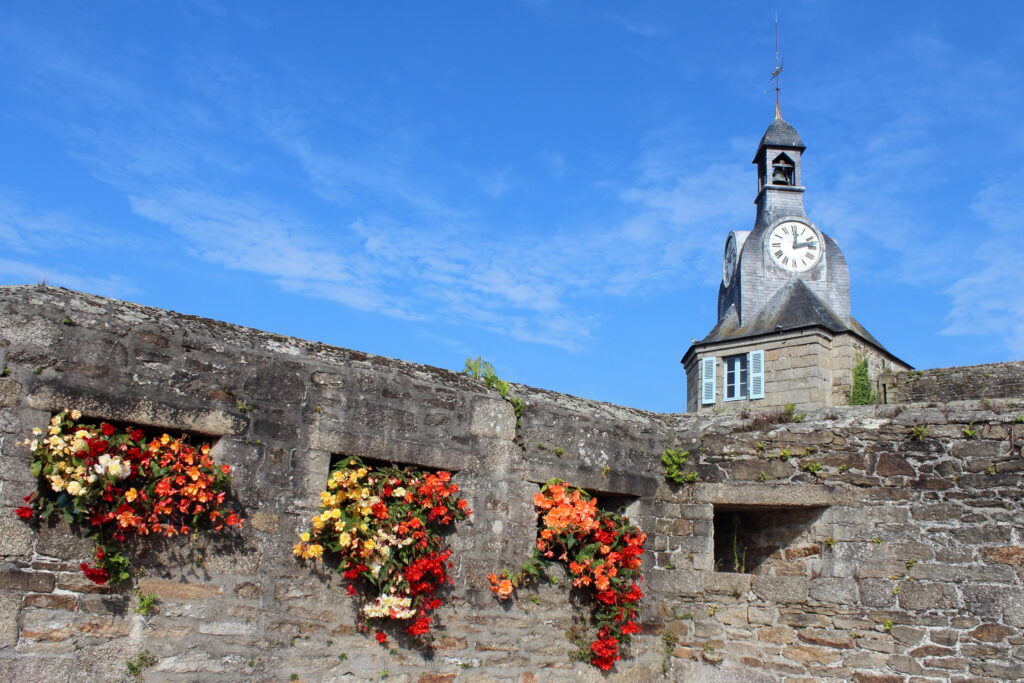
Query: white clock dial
[[794, 246], [729, 260]]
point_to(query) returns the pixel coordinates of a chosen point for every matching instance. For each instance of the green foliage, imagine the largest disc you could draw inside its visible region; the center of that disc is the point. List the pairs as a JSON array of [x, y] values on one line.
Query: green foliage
[[760, 447], [887, 625], [668, 646], [242, 406], [66, 321], [970, 432], [1019, 419], [147, 604], [478, 368], [830, 542], [674, 461], [762, 477], [791, 414], [139, 663], [812, 467], [910, 563], [559, 451], [542, 447], [861, 393], [877, 539], [918, 432], [844, 467], [5, 372], [785, 454]]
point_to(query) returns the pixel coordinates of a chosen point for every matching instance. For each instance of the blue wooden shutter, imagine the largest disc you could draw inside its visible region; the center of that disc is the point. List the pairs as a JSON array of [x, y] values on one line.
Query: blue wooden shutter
[[755, 361], [707, 380]]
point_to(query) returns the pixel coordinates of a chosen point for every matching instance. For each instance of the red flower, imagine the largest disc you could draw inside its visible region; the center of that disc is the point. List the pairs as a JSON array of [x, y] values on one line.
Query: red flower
[[381, 637], [418, 627], [136, 435], [95, 574], [631, 627], [607, 597], [25, 512], [107, 429]]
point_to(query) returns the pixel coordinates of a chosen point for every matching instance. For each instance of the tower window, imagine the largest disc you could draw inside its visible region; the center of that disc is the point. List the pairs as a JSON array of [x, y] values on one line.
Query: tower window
[[735, 377], [783, 171]]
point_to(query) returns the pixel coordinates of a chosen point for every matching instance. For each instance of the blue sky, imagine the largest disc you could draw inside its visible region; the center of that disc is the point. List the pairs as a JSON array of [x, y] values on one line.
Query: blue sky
[[546, 184]]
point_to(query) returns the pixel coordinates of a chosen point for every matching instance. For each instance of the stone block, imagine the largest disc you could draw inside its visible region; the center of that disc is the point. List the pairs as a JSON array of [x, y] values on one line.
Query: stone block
[[178, 592], [14, 579], [784, 589], [493, 418]]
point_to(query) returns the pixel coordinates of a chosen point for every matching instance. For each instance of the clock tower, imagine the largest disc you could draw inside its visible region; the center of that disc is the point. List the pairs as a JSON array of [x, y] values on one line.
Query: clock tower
[[784, 332]]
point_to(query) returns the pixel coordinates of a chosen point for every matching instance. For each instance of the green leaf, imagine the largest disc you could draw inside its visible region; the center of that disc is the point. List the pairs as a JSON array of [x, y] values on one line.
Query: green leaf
[[37, 468]]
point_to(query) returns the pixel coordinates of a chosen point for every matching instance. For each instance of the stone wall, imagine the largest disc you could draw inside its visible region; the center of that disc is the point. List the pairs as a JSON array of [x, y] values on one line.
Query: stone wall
[[875, 543], [993, 380], [849, 350]]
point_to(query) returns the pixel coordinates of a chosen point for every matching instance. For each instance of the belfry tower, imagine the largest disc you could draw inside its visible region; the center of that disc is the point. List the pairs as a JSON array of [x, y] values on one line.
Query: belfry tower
[[784, 332]]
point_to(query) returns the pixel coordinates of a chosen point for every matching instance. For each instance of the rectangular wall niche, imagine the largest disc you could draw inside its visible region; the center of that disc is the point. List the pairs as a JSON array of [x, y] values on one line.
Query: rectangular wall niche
[[765, 539]]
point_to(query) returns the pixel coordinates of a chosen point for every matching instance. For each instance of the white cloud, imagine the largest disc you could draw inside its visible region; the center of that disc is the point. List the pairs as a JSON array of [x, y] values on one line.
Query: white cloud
[[988, 301]]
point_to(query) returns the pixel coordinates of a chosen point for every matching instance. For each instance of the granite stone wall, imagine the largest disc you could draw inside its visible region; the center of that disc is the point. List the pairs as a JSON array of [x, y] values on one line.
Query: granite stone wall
[[878, 543], [993, 380]]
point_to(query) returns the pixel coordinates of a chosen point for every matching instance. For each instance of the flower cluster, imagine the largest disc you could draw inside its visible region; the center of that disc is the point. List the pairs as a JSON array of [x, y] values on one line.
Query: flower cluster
[[384, 524], [116, 486], [602, 550]]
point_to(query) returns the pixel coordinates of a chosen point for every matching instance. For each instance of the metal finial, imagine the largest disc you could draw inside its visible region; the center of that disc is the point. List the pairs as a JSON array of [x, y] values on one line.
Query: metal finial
[[777, 71]]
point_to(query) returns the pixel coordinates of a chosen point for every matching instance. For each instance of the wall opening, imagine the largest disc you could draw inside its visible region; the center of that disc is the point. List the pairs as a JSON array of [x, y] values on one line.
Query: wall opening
[[764, 540]]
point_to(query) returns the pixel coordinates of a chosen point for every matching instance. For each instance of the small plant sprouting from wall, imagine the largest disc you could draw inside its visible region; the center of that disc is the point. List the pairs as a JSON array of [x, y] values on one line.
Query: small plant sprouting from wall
[[481, 369], [139, 663], [812, 467], [148, 604], [674, 461], [970, 431], [918, 432], [861, 392]]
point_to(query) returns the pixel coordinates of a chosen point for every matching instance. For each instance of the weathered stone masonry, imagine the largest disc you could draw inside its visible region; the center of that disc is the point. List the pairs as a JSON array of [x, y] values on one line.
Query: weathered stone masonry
[[901, 559]]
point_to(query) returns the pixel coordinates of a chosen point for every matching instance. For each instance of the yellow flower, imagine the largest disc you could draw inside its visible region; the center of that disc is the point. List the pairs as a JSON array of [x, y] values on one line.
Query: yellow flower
[[131, 494], [37, 431], [312, 551], [336, 513], [165, 439], [75, 488], [304, 536], [369, 545], [55, 429], [345, 539], [76, 415], [299, 549]]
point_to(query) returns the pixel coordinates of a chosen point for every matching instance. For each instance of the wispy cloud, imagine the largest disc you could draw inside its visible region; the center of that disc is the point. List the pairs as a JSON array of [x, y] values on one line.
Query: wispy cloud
[[988, 301], [39, 239]]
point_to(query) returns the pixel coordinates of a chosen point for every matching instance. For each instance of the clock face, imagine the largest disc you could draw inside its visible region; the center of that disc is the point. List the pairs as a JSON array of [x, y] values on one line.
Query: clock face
[[729, 260], [794, 246]]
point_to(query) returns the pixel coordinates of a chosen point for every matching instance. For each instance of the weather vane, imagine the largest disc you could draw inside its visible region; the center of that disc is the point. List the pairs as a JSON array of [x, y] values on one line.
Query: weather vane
[[777, 71]]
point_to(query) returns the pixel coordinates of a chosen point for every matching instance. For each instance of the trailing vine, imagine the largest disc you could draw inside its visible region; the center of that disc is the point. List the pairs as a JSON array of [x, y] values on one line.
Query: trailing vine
[[385, 526], [117, 485], [602, 551]]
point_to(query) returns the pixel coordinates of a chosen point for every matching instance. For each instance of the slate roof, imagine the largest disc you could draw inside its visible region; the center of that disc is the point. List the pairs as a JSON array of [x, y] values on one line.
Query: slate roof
[[795, 306], [781, 134]]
